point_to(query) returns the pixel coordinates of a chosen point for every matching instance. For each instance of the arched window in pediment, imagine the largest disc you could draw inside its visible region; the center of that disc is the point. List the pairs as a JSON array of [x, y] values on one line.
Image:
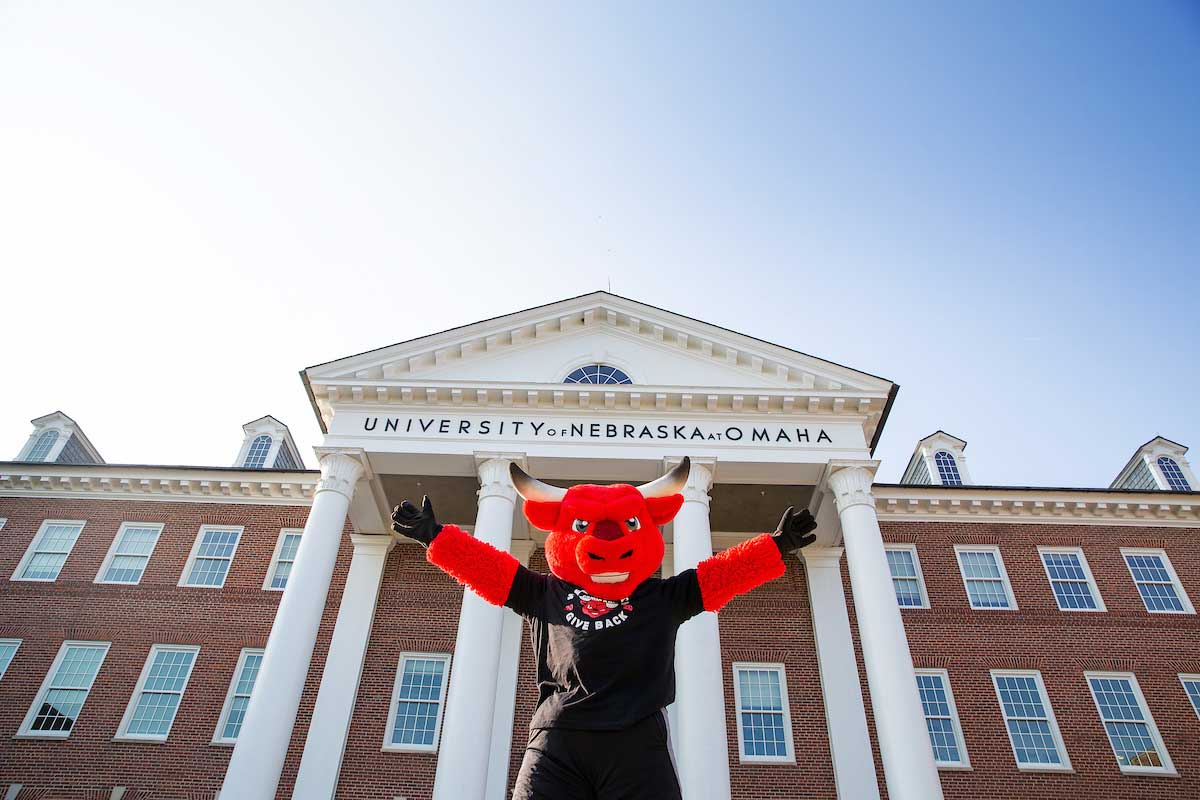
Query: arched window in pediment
[[598, 373], [256, 456], [42, 447], [947, 468], [1173, 474]]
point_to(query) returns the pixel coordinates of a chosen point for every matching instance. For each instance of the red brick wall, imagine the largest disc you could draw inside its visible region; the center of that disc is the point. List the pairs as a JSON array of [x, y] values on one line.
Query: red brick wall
[[1062, 645], [157, 611]]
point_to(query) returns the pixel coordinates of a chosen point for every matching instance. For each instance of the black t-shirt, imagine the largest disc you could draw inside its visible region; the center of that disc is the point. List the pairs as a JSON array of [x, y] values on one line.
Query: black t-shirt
[[603, 665]]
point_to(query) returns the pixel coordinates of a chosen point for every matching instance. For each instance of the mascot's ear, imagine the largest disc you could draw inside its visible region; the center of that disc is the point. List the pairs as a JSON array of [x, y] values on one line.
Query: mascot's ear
[[663, 509], [542, 515]]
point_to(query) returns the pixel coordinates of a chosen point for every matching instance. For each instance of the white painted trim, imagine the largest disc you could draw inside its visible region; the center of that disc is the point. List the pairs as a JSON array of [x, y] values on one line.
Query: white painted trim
[[24, 732], [32, 548], [910, 548], [781, 670], [911, 503], [441, 704], [274, 563], [123, 728], [223, 719], [112, 552], [1087, 573], [184, 578], [3, 522], [965, 761], [1188, 608], [1184, 679], [1050, 719], [959, 549], [1168, 767], [16, 649]]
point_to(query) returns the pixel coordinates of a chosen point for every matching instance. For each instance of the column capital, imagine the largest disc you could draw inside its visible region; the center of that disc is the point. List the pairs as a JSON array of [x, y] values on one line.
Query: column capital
[[850, 482], [373, 543], [700, 478], [494, 478], [815, 557], [341, 469]]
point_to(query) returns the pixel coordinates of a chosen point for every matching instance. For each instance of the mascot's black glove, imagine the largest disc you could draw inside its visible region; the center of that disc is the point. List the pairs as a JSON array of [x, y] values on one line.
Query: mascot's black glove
[[418, 524], [790, 535]]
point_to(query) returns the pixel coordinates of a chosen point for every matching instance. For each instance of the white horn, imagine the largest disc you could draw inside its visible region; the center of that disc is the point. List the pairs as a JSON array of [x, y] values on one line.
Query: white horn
[[531, 488], [668, 484]]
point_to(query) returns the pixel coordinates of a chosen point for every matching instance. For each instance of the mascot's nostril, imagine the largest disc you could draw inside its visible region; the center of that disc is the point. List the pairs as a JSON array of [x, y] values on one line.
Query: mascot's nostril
[[607, 530], [595, 557], [627, 554]]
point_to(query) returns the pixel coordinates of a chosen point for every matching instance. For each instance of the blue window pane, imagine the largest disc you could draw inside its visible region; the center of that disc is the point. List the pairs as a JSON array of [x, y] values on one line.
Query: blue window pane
[[761, 712], [947, 468], [903, 567], [985, 585], [1173, 474], [419, 699], [1027, 720], [42, 447], [598, 374], [1192, 687], [1069, 581], [256, 456], [1154, 582]]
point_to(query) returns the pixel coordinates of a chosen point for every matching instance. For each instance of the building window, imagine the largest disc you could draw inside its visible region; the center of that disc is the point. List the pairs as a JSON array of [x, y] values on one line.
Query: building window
[[1127, 721], [3, 522], [211, 556], [42, 447], [49, 550], [282, 560], [947, 468], [256, 456], [415, 717], [1071, 579], [764, 721], [1191, 685], [1156, 581], [984, 577], [906, 575], [286, 459], [1032, 729], [59, 701], [159, 690], [597, 373], [8, 649], [1173, 474], [130, 553], [229, 725], [941, 718]]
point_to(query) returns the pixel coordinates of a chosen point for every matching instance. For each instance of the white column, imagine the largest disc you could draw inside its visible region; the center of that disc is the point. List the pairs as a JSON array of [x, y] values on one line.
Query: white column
[[845, 716], [465, 749], [511, 640], [701, 745], [262, 745], [908, 765], [326, 741]]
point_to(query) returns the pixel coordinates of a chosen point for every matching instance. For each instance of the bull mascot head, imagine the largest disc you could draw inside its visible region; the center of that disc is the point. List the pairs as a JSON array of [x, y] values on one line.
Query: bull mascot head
[[604, 539]]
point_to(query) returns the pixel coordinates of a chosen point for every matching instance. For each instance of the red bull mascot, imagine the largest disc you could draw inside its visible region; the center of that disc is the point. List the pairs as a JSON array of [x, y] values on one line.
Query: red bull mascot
[[603, 629]]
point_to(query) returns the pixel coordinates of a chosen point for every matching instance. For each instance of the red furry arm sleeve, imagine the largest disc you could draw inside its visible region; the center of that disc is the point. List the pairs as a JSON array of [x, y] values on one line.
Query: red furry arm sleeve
[[738, 570], [475, 564]]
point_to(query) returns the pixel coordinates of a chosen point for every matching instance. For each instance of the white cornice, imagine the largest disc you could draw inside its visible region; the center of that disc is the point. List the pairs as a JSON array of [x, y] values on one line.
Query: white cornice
[[1032, 505], [176, 484]]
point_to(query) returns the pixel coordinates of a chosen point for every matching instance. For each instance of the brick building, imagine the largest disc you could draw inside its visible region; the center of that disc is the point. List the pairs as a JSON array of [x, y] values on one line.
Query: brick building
[[167, 631]]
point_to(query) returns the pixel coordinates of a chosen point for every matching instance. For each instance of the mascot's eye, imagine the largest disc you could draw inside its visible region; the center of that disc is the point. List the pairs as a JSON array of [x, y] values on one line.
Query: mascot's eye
[[580, 525], [633, 523]]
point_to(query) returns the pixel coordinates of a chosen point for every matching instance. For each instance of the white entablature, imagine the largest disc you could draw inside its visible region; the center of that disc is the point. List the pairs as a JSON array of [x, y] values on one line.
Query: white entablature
[[679, 367]]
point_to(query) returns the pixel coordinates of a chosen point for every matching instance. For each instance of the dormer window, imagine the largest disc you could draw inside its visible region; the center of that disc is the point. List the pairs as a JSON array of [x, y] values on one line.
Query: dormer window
[[267, 445], [285, 459], [42, 447], [598, 373], [256, 456], [947, 468], [1174, 475]]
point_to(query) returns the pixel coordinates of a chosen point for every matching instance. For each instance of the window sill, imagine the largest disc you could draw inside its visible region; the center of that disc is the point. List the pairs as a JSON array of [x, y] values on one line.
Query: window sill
[[1047, 768]]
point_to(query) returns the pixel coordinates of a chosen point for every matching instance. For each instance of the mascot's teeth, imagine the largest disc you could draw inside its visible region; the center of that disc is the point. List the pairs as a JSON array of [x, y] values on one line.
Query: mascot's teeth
[[610, 577]]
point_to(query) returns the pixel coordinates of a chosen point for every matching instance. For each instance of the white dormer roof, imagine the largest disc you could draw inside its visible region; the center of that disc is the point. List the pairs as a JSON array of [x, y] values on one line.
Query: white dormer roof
[[674, 362], [66, 440], [1144, 470], [922, 468], [280, 441]]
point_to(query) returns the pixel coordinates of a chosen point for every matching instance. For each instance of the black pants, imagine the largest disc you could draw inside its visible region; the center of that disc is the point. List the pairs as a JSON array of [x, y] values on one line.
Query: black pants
[[632, 764]]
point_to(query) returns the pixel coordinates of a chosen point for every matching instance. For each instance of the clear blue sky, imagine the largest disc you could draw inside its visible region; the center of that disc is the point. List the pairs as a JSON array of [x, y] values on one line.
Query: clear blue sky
[[996, 205]]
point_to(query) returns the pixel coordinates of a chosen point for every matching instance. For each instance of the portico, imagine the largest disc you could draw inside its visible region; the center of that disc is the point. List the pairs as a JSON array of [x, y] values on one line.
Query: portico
[[764, 427]]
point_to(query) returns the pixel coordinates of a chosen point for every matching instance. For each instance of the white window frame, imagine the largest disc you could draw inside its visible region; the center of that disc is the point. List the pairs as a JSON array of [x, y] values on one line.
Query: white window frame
[[437, 725], [1184, 680], [1188, 608], [3, 522], [1065, 766], [743, 757], [16, 649], [1168, 766], [123, 728], [112, 552], [283, 534], [964, 761], [1087, 573], [32, 549], [910, 548], [959, 549], [218, 737], [25, 731], [184, 579]]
